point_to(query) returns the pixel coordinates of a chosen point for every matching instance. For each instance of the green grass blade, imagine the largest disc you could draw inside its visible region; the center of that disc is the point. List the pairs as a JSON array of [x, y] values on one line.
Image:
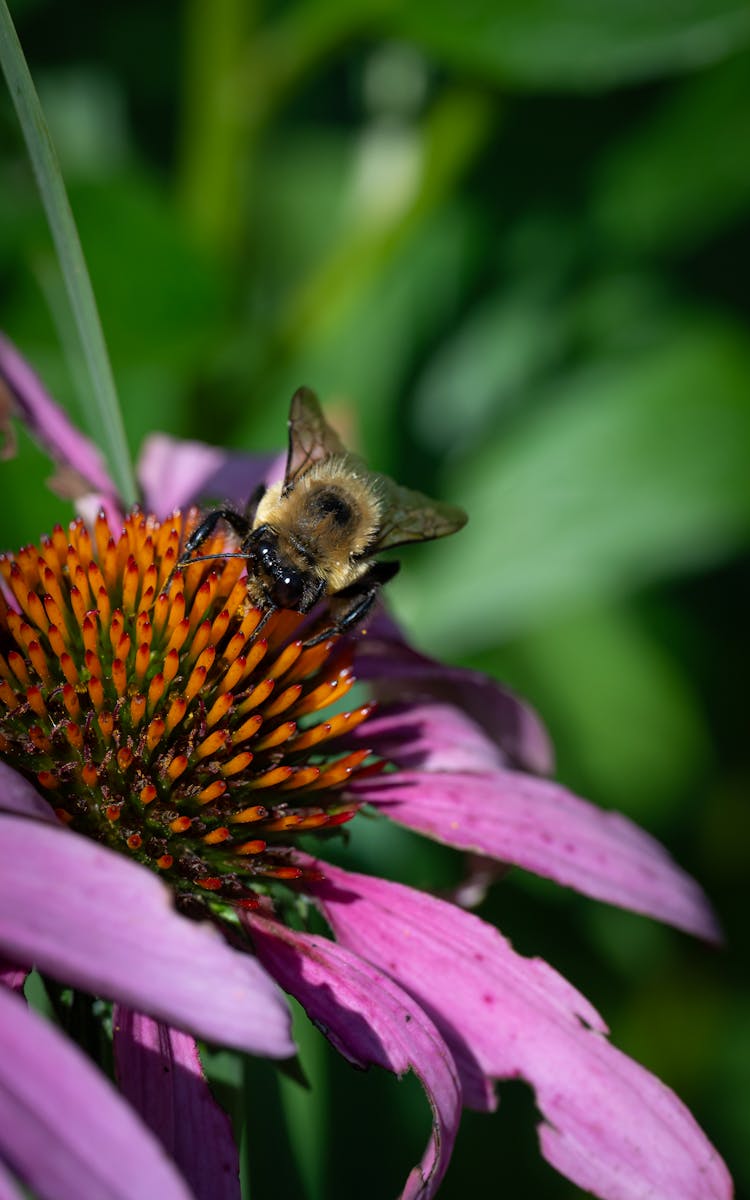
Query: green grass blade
[[103, 409]]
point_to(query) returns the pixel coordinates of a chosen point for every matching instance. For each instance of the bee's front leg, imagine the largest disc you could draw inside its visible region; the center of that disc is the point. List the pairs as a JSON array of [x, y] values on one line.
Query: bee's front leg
[[234, 520], [354, 603]]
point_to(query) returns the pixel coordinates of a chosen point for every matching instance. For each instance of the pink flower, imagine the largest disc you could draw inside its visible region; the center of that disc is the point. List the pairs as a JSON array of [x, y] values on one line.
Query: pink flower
[[188, 756]]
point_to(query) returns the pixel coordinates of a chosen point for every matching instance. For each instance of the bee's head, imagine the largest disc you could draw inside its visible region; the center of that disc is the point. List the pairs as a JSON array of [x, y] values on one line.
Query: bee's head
[[284, 583]]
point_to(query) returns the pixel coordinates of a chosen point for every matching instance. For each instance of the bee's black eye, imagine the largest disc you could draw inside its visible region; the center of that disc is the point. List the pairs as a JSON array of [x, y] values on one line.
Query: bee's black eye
[[284, 583]]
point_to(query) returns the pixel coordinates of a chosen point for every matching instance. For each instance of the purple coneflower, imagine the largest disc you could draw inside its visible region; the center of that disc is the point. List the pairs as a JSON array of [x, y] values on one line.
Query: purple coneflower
[[148, 732]]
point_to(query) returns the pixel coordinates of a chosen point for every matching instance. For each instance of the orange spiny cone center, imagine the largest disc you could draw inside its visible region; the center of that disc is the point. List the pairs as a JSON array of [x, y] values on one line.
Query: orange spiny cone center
[[163, 716]]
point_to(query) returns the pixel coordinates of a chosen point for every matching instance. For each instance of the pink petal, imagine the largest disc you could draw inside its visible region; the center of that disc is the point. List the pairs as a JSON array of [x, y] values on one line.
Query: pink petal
[[610, 1125], [385, 658], [174, 473], [89, 506], [63, 1129], [17, 795], [93, 919], [432, 736], [159, 1071], [47, 422], [539, 825], [8, 1190], [369, 1020]]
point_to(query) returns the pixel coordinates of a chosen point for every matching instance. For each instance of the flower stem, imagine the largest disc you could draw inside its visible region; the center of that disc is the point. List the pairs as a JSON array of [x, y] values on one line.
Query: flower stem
[[103, 409]]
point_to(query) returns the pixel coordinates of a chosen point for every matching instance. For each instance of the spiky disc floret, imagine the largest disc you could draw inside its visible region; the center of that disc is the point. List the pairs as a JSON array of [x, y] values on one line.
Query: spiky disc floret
[[168, 719]]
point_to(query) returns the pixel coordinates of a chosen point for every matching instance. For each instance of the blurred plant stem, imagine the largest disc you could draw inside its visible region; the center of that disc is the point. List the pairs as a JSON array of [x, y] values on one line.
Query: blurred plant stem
[[246, 1132], [236, 76], [305, 1103], [213, 160], [453, 132], [102, 407]]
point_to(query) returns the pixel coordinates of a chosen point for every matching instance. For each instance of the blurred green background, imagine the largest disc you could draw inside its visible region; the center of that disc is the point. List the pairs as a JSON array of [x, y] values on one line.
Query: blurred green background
[[508, 244]]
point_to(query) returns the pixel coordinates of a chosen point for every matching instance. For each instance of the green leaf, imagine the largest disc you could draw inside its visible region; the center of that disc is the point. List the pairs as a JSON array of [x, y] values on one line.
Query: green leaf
[[576, 44], [620, 709], [681, 174], [631, 470]]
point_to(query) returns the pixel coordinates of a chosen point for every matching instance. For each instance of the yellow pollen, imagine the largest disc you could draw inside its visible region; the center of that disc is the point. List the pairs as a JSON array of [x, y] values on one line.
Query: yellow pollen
[[35, 701], [96, 692], [78, 604], [216, 836], [142, 657], [155, 732], [212, 744], [179, 635], [177, 710], [212, 792], [271, 778], [177, 766], [90, 635], [171, 666], [253, 847], [70, 700], [219, 709], [285, 660], [155, 690], [236, 765], [257, 812], [106, 723], [248, 729], [200, 641], [284, 700], [119, 676], [277, 736], [124, 758], [89, 775]]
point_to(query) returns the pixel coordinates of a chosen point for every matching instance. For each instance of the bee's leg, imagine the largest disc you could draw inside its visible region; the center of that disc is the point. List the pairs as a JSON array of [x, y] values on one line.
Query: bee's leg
[[234, 520], [358, 600]]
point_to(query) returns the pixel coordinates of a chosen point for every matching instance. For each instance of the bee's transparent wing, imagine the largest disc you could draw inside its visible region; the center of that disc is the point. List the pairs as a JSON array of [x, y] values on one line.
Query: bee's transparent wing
[[412, 517], [311, 438]]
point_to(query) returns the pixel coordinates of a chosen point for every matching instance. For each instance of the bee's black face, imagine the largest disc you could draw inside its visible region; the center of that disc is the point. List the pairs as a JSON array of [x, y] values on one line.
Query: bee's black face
[[285, 584]]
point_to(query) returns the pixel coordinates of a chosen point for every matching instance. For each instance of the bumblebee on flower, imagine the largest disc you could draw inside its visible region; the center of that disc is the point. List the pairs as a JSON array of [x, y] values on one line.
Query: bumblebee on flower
[[158, 707]]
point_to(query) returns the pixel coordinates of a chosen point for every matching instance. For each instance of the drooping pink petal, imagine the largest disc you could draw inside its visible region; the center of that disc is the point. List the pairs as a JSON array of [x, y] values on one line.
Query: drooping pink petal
[[64, 1130], [430, 736], [159, 1071], [542, 827], [91, 918], [609, 1125], [369, 1020], [48, 424], [174, 473], [388, 661], [18, 796], [8, 1190]]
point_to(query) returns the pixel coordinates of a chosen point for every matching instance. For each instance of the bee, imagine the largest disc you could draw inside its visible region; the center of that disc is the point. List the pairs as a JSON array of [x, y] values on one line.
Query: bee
[[315, 535]]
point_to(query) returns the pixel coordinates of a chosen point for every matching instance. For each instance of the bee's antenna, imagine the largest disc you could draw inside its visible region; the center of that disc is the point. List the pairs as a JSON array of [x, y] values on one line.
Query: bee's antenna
[[186, 562]]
